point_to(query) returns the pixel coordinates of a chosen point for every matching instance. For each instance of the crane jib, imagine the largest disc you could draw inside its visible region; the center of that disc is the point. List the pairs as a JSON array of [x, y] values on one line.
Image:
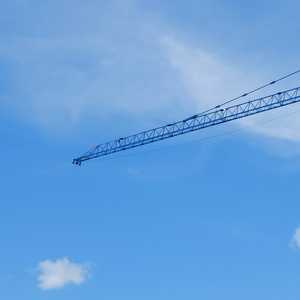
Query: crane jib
[[195, 122]]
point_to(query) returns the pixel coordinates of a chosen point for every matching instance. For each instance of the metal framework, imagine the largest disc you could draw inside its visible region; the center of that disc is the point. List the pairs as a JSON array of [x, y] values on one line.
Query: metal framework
[[196, 122]]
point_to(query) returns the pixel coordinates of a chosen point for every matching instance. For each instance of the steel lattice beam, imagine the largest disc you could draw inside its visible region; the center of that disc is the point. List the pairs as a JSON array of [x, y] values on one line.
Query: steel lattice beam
[[196, 122]]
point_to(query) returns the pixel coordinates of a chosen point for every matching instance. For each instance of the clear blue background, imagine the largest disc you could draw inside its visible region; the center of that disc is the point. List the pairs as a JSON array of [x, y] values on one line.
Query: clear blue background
[[207, 220]]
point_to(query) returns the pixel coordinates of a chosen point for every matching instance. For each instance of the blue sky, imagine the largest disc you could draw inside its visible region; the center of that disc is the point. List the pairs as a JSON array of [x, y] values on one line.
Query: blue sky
[[214, 219]]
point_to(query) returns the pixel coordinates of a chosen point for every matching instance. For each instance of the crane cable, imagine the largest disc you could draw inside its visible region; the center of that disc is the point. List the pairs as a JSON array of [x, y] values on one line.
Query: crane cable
[[246, 94], [198, 140], [234, 99]]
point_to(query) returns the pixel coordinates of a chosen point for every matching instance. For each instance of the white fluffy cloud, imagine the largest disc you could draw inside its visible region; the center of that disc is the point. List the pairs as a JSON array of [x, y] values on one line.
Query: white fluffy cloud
[[295, 242], [57, 274]]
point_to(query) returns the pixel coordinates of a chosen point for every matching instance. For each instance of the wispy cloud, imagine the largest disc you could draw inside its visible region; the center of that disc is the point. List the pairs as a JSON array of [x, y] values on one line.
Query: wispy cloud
[[111, 65], [133, 171], [295, 241], [56, 275], [100, 61], [131, 63], [210, 80], [206, 78]]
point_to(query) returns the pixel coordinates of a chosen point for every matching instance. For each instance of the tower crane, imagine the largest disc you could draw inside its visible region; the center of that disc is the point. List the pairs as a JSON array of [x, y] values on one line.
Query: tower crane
[[217, 115]]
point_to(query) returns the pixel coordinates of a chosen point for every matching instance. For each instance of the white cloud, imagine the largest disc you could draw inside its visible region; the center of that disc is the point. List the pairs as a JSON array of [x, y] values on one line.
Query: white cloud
[[295, 242], [285, 125], [57, 274], [113, 65], [126, 62], [209, 80], [133, 171]]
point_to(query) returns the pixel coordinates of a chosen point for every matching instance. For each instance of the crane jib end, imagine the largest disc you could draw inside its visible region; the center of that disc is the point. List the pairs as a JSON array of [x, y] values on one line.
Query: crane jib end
[[76, 161]]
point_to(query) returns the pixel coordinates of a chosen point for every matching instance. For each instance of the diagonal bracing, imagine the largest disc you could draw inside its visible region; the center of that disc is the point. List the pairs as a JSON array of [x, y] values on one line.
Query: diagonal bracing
[[196, 122]]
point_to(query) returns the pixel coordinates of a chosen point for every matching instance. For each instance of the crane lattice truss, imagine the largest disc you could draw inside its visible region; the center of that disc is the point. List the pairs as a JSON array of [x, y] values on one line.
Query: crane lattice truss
[[196, 122]]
